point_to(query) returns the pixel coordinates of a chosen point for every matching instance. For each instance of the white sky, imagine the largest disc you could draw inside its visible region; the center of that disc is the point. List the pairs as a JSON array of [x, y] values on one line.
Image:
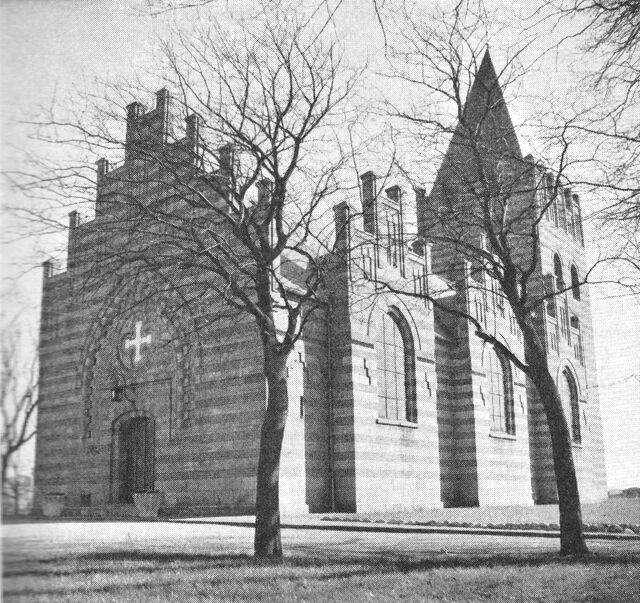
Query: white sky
[[49, 47]]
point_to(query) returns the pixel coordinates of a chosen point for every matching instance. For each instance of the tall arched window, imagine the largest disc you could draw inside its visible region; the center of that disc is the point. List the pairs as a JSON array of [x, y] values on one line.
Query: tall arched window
[[569, 395], [557, 270], [575, 283], [576, 338], [396, 369], [500, 392]]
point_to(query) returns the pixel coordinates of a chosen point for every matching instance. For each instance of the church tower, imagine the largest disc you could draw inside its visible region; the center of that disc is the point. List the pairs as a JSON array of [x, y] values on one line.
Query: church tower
[[484, 162], [148, 382], [565, 325]]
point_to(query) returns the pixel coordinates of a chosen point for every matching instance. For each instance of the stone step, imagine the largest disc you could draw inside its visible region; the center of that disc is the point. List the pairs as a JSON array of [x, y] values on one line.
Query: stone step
[[106, 511], [115, 511]]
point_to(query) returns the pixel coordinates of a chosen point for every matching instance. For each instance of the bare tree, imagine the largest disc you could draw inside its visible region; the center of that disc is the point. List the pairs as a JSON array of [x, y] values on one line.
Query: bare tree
[[239, 226], [615, 29], [487, 205], [616, 34], [16, 489], [238, 222], [19, 397], [610, 32]]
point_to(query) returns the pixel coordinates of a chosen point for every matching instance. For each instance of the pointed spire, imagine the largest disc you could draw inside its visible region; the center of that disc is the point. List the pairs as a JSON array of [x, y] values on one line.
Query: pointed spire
[[487, 127], [486, 69], [485, 103], [485, 88]]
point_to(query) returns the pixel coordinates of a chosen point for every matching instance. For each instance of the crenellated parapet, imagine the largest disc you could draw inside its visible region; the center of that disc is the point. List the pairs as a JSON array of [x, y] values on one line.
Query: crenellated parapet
[[156, 146], [148, 130], [382, 239]]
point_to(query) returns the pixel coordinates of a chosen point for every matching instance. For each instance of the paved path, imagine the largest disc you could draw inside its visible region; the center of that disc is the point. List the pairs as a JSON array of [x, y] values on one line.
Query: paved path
[[42, 540], [318, 522]]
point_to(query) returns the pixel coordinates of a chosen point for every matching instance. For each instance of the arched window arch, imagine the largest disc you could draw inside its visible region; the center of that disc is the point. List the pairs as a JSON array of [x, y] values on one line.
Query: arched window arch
[[500, 379], [569, 396], [396, 368], [557, 270], [575, 283]]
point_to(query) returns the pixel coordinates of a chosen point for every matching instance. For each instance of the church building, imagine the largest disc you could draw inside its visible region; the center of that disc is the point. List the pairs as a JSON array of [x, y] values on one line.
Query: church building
[[394, 402]]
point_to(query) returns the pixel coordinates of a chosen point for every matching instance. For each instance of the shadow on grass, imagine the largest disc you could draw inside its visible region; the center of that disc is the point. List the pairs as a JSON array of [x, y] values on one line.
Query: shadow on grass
[[120, 573], [333, 566], [112, 563]]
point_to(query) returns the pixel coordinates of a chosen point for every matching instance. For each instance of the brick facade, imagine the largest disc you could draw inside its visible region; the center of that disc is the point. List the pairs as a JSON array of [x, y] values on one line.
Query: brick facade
[[111, 353]]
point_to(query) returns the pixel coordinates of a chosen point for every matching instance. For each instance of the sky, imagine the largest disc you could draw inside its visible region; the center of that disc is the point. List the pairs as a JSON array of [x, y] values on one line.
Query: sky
[[49, 47]]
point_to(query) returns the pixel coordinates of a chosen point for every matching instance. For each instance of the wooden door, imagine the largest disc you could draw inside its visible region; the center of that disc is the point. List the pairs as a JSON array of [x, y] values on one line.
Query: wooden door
[[136, 462]]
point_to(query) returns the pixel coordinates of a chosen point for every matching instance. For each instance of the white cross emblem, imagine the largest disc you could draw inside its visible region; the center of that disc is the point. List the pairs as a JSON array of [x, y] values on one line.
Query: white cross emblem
[[137, 342]]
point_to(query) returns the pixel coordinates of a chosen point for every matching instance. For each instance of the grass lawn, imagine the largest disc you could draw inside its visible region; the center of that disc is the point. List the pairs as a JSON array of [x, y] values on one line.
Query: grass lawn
[[611, 511], [136, 575], [147, 561]]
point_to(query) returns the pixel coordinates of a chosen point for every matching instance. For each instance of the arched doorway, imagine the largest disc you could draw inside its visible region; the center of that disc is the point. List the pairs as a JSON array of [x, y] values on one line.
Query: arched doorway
[[134, 462]]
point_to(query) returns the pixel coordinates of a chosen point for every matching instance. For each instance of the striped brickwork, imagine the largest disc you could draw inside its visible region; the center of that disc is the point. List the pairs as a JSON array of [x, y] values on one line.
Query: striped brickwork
[[390, 463], [500, 463], [209, 459], [200, 378], [480, 466], [570, 349], [200, 375]]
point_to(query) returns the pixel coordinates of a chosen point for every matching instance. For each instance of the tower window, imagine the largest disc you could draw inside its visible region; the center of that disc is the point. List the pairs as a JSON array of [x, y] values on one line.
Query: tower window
[[557, 270], [563, 212], [549, 288], [571, 227], [551, 198], [575, 283]]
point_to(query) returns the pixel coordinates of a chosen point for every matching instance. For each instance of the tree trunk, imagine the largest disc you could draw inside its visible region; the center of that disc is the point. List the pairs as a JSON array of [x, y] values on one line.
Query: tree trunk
[[5, 465], [268, 542], [572, 540]]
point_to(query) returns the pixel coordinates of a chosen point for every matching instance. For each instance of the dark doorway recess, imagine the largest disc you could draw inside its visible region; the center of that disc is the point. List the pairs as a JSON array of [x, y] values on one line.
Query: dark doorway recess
[[136, 445]]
